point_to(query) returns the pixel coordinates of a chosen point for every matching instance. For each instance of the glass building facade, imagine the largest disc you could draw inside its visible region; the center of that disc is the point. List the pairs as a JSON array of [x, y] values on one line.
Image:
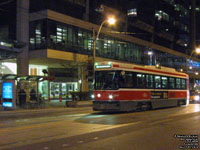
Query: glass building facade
[[49, 34]]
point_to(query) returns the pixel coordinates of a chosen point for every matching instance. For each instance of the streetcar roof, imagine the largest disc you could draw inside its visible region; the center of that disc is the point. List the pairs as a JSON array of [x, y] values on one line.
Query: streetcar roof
[[108, 65]]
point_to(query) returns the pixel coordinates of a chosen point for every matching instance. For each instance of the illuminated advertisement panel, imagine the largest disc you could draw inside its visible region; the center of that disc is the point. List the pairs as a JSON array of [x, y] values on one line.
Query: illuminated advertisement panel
[[7, 104], [7, 90]]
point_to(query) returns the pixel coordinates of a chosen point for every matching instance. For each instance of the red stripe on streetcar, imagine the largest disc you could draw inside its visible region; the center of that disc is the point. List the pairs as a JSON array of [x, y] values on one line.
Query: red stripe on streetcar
[[115, 65]]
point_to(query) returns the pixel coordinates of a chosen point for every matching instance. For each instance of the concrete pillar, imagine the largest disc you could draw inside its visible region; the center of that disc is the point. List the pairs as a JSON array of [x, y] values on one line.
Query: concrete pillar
[[82, 73], [23, 36]]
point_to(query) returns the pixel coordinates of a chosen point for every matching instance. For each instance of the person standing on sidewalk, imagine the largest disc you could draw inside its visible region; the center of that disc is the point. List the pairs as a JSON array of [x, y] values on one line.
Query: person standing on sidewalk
[[33, 96], [22, 98]]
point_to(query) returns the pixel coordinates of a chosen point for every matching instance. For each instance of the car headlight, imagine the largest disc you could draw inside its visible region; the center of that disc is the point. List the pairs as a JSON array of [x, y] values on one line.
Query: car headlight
[[110, 96], [196, 97], [98, 95]]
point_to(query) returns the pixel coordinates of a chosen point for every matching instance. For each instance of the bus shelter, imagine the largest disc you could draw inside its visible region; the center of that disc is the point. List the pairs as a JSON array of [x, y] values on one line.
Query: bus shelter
[[23, 90]]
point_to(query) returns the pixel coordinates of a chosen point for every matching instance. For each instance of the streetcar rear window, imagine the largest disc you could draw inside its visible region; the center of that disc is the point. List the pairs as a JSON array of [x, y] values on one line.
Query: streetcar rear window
[[183, 83], [178, 83]]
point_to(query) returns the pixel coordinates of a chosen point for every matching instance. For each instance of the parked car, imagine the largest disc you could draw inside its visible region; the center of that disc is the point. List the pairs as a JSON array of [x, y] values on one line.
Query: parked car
[[194, 95]]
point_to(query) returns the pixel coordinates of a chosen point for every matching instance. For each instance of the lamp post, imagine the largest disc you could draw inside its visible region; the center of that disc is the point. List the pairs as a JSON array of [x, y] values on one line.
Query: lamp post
[[110, 21]]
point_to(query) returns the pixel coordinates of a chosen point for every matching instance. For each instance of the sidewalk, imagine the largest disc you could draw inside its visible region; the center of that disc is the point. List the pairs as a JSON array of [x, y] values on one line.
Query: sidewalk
[[57, 103], [50, 107]]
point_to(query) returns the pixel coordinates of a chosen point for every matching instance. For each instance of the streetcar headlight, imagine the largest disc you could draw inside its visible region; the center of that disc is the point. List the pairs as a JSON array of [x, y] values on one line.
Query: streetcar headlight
[[92, 96], [196, 97], [110, 96], [98, 95]]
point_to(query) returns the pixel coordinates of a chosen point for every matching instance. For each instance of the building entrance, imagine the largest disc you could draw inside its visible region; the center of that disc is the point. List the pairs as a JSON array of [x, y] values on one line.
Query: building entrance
[[60, 89]]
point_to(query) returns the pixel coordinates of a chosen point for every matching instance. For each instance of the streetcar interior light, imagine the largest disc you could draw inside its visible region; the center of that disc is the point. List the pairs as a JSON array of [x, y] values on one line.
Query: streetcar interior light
[[98, 95], [110, 96], [96, 64], [109, 63]]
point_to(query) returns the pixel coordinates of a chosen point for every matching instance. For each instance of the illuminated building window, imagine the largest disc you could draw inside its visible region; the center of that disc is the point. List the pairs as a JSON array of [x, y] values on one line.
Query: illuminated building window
[[79, 2], [198, 9], [99, 10], [38, 34], [132, 12], [160, 15], [32, 41], [170, 1], [184, 11]]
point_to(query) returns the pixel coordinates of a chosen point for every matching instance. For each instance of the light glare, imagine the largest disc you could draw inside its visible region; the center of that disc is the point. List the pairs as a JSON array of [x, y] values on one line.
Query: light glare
[[198, 50], [196, 97], [110, 96], [111, 21]]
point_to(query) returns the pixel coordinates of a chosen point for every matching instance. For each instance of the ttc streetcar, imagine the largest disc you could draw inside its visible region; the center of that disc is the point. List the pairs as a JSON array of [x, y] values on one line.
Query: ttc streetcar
[[129, 87]]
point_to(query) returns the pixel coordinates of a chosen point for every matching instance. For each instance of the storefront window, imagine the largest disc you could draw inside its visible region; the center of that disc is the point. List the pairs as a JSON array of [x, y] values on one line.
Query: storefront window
[[62, 89], [43, 89]]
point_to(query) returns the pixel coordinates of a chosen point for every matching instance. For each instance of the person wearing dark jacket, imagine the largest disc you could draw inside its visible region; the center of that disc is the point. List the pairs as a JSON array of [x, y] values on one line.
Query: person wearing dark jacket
[[22, 97], [33, 96]]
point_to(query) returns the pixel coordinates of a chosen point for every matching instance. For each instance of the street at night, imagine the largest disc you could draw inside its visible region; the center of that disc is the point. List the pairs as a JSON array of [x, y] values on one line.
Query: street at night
[[100, 75], [84, 129]]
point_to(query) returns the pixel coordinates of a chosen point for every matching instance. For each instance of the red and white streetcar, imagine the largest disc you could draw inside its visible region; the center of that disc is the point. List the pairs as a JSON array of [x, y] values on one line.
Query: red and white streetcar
[[129, 87]]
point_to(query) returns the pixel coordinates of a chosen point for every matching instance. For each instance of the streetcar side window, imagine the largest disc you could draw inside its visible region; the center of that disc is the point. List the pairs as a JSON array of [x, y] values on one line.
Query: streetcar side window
[[157, 80], [178, 83], [171, 83], [149, 81], [140, 80], [126, 80], [183, 83], [129, 79], [164, 82]]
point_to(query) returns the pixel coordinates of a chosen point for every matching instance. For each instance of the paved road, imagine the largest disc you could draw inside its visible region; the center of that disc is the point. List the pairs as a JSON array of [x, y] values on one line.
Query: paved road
[[83, 129]]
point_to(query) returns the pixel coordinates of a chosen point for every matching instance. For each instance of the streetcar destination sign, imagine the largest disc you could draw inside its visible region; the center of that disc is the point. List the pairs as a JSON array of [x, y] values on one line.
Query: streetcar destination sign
[[102, 66]]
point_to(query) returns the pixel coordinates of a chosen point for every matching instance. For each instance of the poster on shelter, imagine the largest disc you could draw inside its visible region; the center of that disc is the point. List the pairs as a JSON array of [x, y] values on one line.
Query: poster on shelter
[[7, 90]]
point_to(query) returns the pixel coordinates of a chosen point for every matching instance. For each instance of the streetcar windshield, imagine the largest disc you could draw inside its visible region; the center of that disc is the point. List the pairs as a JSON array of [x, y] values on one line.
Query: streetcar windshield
[[107, 80]]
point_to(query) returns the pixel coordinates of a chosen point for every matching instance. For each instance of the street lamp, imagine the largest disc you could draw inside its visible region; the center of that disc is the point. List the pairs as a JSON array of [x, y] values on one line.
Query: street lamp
[[197, 50], [110, 21]]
